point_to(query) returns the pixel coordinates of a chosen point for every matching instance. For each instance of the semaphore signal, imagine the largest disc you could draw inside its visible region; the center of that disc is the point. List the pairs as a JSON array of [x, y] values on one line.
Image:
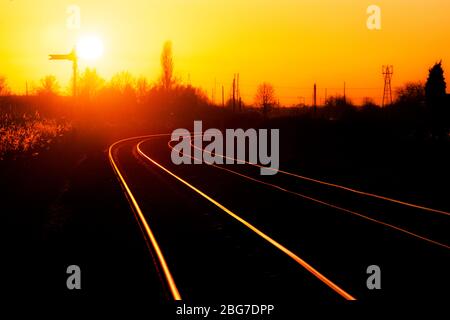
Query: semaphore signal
[[72, 56]]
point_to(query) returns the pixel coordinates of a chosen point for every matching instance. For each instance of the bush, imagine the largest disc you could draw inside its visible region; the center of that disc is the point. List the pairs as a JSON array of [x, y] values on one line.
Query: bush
[[27, 133]]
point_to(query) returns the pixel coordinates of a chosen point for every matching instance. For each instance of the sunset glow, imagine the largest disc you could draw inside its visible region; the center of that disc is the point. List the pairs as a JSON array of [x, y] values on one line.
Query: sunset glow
[[189, 153], [290, 43]]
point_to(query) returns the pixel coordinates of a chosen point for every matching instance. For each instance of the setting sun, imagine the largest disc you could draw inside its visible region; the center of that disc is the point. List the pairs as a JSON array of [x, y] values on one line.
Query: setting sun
[[89, 47]]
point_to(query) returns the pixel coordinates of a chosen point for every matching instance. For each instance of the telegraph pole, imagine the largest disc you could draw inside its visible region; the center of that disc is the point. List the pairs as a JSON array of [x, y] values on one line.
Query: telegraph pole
[[345, 96], [315, 98], [223, 97], [234, 92], [215, 90], [238, 93]]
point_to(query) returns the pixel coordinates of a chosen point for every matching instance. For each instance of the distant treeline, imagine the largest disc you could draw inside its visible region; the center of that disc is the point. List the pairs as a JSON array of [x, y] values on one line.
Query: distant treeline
[[422, 107]]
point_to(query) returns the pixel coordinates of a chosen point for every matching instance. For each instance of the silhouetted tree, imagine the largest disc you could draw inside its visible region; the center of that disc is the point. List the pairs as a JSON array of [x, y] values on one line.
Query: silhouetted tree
[[435, 86], [142, 88], [435, 94], [265, 97], [167, 66], [90, 84], [337, 101], [368, 102], [411, 94], [338, 107], [48, 86], [409, 111], [4, 90], [123, 82], [369, 106]]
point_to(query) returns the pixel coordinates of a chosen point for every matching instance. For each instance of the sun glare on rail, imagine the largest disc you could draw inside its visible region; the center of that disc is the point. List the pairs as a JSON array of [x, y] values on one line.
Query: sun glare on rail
[[89, 47]]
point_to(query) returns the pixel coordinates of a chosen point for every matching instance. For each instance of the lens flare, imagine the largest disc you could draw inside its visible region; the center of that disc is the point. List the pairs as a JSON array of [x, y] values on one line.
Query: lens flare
[[89, 48]]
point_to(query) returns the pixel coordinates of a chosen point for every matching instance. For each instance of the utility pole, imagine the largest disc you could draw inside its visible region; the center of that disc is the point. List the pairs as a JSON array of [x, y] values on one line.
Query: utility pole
[[72, 56], [345, 96], [223, 97], [215, 89], [315, 98], [238, 93], [234, 92], [326, 92], [387, 71]]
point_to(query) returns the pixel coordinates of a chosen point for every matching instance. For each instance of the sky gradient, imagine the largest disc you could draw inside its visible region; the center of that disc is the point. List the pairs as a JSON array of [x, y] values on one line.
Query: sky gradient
[[290, 43]]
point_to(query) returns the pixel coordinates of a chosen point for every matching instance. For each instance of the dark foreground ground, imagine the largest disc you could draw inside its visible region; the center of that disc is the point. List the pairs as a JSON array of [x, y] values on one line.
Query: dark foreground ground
[[65, 207]]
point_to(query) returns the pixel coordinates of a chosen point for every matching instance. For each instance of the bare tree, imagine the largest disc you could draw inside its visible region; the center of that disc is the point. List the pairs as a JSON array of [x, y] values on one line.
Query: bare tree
[[167, 66], [49, 86], [4, 90], [412, 93], [368, 102], [90, 83], [142, 88], [123, 82], [338, 101], [265, 97]]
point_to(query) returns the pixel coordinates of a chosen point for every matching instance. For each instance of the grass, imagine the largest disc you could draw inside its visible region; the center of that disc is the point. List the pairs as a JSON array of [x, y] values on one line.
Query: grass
[[28, 133]]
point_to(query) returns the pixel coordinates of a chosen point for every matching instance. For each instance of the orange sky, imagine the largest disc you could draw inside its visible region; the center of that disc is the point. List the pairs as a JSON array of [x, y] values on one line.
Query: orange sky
[[291, 43]]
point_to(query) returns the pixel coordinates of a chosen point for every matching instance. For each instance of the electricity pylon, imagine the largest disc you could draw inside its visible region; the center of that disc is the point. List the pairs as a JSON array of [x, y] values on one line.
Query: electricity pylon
[[387, 71]]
